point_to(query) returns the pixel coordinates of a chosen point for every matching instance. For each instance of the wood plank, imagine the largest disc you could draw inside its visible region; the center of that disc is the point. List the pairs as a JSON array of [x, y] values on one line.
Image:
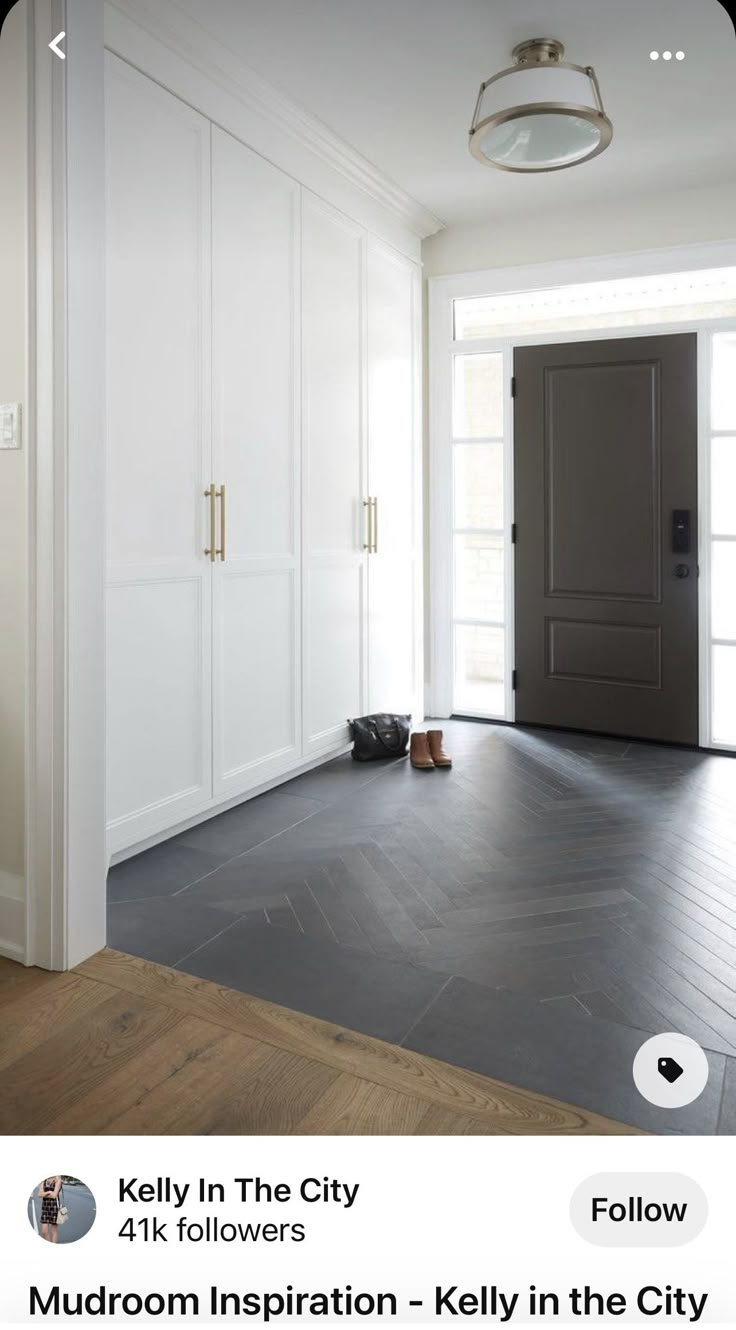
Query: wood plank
[[274, 1099], [41, 1084], [16, 979], [354, 1107], [36, 1014], [197, 1097], [163, 1072], [439, 1121], [506, 1107]]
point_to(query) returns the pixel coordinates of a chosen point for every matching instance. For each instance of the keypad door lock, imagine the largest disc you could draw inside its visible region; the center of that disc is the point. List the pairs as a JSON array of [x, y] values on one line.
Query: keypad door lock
[[681, 534]]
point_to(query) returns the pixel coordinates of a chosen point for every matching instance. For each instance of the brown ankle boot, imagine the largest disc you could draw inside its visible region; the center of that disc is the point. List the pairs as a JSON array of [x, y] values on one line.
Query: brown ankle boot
[[419, 754], [438, 754]]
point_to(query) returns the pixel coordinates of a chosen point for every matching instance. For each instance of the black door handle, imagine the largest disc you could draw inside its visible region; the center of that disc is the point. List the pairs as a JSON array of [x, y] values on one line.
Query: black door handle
[[682, 570]]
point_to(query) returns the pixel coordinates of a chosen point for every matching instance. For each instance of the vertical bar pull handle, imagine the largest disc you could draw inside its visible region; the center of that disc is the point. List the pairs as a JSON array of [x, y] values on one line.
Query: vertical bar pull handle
[[223, 532], [211, 494], [371, 544]]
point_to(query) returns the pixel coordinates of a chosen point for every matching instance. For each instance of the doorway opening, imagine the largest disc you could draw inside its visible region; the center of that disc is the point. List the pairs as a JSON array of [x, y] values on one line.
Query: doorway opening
[[481, 327]]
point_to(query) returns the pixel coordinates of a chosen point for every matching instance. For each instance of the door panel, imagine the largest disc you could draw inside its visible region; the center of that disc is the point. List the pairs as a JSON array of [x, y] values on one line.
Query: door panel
[[334, 662], [393, 631], [255, 278], [595, 494], [255, 327], [157, 258], [158, 456], [604, 652], [393, 569], [605, 453], [334, 489], [255, 651], [157, 662]]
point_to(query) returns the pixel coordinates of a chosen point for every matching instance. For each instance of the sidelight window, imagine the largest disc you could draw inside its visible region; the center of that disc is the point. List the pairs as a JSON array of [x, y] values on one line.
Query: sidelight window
[[478, 546], [723, 539]]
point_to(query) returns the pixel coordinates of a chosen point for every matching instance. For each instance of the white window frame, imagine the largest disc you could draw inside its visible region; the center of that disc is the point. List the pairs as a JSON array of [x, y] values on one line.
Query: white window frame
[[443, 347], [462, 348]]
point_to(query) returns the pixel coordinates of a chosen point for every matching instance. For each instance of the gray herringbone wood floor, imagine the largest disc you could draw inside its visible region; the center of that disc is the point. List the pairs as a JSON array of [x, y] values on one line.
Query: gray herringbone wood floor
[[592, 881], [587, 872]]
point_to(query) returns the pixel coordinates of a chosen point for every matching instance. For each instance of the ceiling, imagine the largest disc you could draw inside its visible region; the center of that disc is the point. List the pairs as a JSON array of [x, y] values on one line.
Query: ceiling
[[397, 79]]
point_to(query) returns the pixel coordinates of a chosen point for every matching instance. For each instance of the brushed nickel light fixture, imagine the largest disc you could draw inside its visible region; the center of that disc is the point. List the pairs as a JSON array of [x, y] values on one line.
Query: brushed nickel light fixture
[[542, 114]]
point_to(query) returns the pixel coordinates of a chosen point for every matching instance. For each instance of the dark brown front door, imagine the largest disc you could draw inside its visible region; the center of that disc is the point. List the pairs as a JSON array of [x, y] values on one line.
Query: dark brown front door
[[605, 458]]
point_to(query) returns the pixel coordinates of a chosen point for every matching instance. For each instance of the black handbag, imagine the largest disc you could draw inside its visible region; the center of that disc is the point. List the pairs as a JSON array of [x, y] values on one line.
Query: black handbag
[[382, 735]]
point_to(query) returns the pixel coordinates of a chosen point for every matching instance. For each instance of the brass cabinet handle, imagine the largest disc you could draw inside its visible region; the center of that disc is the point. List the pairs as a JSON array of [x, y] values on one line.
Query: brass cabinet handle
[[211, 494], [221, 496], [371, 545]]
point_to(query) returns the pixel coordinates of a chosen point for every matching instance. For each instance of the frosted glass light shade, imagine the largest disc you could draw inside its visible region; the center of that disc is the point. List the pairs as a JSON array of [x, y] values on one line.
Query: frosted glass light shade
[[539, 142], [539, 118]]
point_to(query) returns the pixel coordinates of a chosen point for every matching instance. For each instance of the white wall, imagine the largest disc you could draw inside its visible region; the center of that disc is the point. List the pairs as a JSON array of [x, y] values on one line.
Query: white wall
[[13, 489], [650, 222]]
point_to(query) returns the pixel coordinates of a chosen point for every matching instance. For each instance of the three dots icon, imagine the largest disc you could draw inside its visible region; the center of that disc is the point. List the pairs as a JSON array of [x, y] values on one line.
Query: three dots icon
[[667, 55]]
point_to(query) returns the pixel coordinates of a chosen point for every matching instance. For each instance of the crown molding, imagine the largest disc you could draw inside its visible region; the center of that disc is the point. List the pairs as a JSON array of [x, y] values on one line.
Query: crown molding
[[164, 21]]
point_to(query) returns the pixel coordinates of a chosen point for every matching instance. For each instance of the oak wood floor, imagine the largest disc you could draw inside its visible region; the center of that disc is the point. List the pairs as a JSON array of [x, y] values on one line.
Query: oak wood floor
[[124, 1046]]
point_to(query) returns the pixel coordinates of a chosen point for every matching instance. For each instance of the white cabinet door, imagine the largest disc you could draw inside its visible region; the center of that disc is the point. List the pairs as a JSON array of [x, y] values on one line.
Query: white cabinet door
[[394, 477], [255, 331], [334, 481], [158, 457]]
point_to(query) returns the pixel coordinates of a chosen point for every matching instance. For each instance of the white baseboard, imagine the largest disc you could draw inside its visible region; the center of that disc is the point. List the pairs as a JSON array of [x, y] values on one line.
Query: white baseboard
[[12, 916], [214, 807]]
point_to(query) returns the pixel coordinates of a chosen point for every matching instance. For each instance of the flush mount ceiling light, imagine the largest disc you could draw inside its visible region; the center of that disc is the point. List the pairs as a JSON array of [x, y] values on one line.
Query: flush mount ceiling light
[[542, 114]]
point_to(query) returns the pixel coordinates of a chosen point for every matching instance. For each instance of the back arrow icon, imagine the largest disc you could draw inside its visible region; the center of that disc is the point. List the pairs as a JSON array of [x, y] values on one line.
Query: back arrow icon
[[55, 45]]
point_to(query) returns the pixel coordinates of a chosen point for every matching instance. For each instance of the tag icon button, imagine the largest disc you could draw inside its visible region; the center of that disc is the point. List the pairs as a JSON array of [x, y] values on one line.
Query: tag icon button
[[671, 1070]]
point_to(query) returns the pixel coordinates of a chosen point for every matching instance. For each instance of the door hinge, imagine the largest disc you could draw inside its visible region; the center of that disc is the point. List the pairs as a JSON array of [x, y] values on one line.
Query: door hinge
[[513, 385], [514, 680], [513, 533]]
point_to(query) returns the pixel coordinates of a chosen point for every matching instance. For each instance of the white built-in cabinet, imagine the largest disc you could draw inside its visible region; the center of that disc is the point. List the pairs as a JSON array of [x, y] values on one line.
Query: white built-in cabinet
[[263, 455]]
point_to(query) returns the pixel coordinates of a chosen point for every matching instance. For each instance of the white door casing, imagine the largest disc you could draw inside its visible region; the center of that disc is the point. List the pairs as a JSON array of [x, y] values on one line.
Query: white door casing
[[158, 457], [255, 324]]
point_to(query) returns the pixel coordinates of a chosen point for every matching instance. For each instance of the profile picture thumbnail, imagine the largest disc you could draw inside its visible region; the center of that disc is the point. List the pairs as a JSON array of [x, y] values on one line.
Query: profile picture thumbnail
[[61, 1208]]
